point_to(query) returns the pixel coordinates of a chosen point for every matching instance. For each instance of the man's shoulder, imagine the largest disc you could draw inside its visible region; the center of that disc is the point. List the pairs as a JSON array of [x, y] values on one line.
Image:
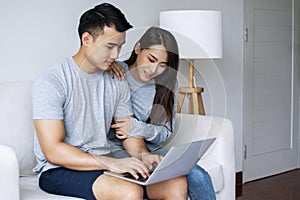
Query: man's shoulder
[[123, 65], [114, 80], [60, 70], [114, 86], [56, 76]]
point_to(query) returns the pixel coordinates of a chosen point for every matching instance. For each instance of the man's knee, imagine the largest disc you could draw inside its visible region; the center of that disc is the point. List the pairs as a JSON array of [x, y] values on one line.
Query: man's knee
[[132, 193], [106, 187], [129, 191], [179, 186], [172, 189]]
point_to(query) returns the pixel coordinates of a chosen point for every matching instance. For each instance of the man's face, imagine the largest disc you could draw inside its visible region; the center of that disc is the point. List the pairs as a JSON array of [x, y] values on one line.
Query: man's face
[[104, 50]]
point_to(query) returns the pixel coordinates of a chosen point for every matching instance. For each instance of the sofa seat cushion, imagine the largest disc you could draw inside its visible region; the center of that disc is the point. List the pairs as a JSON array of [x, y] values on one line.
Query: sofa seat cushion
[[216, 173], [29, 190]]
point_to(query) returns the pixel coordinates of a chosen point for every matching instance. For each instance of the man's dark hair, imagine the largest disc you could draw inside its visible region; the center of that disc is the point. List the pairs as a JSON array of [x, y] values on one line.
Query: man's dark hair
[[105, 14]]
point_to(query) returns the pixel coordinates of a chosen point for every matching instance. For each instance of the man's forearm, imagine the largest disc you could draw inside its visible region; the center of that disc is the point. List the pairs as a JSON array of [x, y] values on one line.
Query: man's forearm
[[71, 157], [135, 146]]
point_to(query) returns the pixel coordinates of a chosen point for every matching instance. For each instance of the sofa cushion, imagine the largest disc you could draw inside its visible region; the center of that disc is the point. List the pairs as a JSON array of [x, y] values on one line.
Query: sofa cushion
[[217, 176], [16, 122], [29, 190]]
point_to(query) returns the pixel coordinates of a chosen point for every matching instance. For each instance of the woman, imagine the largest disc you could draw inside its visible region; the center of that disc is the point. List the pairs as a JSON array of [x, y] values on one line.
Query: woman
[[151, 74]]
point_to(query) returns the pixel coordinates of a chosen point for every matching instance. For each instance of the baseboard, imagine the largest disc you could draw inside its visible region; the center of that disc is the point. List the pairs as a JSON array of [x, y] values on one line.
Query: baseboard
[[238, 184]]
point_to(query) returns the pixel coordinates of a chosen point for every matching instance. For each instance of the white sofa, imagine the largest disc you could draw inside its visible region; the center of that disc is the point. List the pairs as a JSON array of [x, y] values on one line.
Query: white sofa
[[17, 159]]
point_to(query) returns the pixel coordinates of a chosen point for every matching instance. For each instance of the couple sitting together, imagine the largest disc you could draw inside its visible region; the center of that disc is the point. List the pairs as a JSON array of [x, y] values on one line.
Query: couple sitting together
[[88, 121]]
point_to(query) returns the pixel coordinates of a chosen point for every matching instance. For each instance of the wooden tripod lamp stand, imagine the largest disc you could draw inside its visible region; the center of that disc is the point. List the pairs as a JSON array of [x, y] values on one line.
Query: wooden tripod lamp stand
[[199, 36], [193, 93]]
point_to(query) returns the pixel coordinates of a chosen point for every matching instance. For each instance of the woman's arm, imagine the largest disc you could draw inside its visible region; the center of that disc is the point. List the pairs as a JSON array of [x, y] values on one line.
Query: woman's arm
[[152, 133], [156, 134], [132, 127]]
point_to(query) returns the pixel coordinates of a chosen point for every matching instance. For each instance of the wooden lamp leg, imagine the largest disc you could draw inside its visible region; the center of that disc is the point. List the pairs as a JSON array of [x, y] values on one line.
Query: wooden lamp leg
[[200, 103], [180, 101], [195, 104]]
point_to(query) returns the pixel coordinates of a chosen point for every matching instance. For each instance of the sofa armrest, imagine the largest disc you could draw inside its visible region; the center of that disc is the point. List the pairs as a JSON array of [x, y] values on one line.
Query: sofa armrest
[[9, 170], [190, 127], [222, 152]]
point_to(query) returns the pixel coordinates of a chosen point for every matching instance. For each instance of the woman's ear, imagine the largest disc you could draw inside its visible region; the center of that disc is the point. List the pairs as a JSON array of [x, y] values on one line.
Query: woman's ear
[[137, 48]]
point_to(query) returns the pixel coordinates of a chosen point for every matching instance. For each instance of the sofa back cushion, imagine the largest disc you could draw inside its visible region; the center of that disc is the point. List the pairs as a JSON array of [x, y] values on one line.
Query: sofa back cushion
[[190, 127], [16, 124]]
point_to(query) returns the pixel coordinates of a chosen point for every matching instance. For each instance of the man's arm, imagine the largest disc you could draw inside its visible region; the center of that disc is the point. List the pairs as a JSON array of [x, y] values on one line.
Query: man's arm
[[136, 147], [51, 134]]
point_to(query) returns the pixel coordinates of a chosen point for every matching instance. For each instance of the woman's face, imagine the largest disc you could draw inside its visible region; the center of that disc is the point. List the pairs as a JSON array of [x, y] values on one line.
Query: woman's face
[[150, 62]]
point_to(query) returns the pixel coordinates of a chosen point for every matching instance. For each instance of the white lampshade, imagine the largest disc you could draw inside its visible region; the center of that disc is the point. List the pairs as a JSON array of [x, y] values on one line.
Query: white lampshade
[[198, 32]]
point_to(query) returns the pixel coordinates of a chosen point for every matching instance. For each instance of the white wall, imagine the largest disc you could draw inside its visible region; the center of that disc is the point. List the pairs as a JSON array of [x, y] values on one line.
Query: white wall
[[37, 34], [34, 35]]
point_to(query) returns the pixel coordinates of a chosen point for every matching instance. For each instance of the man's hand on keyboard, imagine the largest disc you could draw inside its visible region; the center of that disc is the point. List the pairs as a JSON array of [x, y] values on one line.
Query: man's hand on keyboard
[[151, 160]]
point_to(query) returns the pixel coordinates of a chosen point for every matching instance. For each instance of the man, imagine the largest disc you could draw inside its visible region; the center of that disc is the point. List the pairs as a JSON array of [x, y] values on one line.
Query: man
[[73, 106]]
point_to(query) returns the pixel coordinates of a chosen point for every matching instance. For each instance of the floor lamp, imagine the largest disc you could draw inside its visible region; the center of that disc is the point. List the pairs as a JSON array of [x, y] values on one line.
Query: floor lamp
[[199, 36]]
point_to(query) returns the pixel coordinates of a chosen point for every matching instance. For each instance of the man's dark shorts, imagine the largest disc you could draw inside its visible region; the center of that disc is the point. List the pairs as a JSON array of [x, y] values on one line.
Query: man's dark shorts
[[69, 182]]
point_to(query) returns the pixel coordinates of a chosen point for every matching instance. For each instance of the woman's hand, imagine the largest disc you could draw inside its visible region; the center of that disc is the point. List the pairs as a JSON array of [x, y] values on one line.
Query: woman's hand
[[117, 70], [122, 127]]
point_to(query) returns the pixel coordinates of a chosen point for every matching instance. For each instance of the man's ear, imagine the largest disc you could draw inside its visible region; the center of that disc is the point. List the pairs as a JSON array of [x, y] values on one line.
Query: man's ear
[[86, 39], [137, 48]]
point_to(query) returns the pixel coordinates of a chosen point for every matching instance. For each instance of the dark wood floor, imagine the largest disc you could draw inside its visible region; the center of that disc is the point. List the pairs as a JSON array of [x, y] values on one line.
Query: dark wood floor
[[285, 186]]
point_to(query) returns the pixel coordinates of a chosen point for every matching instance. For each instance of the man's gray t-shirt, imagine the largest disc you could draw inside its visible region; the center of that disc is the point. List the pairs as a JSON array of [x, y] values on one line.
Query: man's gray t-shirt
[[86, 102]]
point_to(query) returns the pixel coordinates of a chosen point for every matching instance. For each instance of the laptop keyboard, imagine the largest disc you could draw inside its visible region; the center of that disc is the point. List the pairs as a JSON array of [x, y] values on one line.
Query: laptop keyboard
[[141, 178]]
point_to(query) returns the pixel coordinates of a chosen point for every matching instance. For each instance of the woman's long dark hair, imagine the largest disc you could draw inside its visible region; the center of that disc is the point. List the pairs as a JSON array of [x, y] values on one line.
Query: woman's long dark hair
[[164, 83]]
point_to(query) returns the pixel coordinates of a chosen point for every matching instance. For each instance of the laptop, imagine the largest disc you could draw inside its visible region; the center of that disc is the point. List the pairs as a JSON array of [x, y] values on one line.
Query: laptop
[[179, 161]]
